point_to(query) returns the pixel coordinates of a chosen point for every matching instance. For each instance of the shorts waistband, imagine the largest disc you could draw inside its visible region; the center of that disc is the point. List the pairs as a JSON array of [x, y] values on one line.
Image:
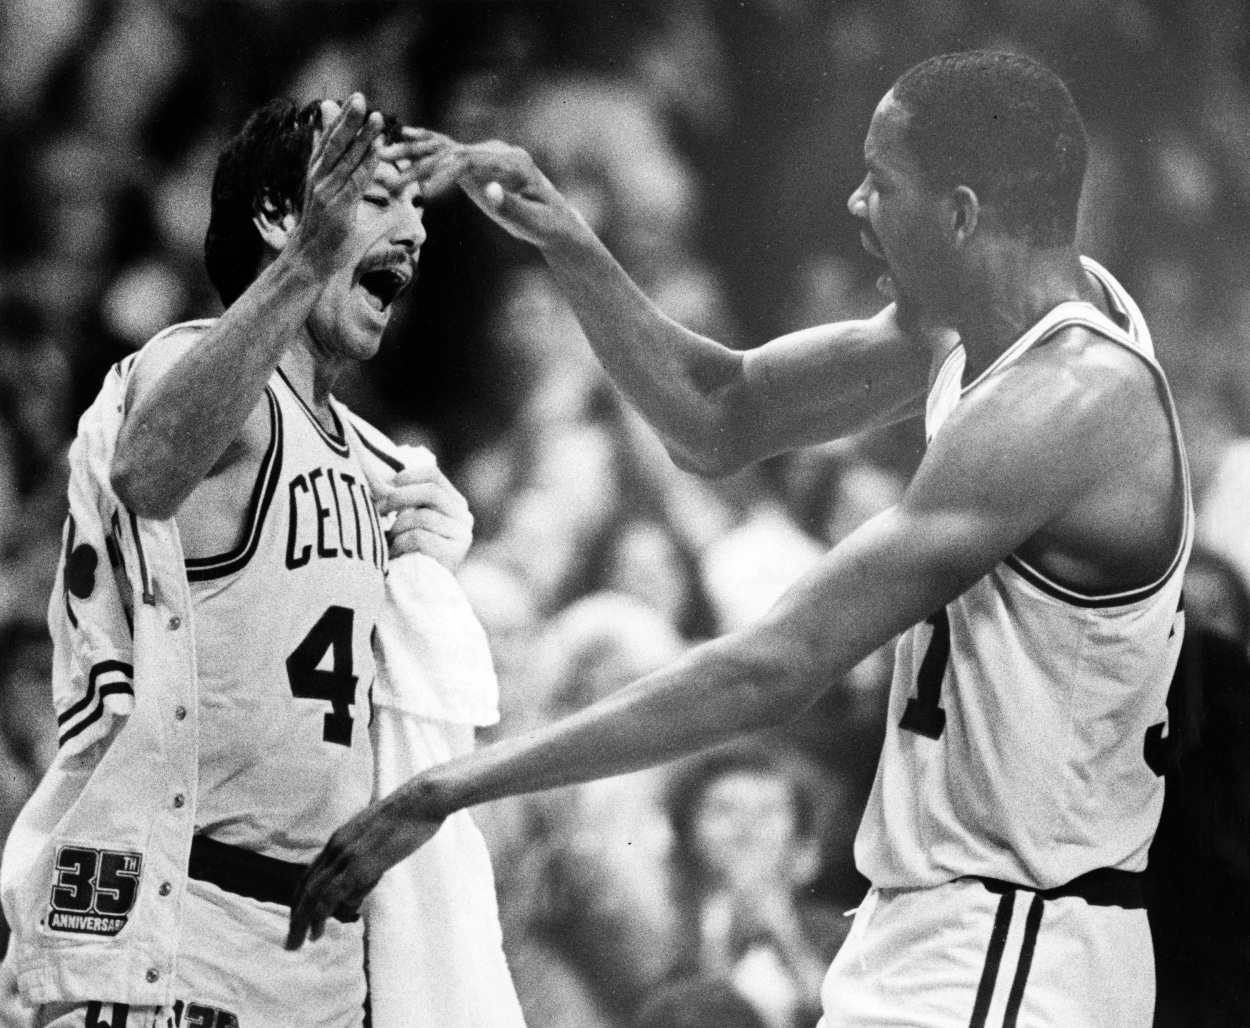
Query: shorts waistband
[[1102, 887], [245, 873]]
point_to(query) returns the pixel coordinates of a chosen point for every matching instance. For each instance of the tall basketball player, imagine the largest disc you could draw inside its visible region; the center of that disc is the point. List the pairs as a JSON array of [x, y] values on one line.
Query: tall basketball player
[[214, 703], [1033, 565]]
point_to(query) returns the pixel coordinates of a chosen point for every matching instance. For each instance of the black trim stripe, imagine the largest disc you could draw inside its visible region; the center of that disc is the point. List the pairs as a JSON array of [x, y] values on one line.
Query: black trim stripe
[[391, 461], [113, 688], [149, 595], [993, 960], [202, 569], [1032, 925], [1077, 599], [102, 668], [95, 698], [336, 441]]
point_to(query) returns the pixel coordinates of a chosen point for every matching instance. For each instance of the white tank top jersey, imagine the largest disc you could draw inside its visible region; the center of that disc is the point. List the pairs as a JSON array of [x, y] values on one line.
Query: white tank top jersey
[[284, 626], [1025, 717]]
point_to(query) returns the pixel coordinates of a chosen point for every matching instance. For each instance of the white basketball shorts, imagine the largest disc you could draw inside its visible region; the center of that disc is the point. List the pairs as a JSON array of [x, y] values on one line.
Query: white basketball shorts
[[973, 955], [234, 971]]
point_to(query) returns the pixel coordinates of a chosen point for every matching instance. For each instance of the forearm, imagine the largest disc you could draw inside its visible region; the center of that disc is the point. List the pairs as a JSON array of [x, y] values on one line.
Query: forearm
[[881, 580], [682, 383], [714, 693], [179, 427]]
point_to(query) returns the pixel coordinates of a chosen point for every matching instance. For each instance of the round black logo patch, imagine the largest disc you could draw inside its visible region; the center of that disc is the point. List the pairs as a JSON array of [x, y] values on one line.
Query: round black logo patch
[[80, 571]]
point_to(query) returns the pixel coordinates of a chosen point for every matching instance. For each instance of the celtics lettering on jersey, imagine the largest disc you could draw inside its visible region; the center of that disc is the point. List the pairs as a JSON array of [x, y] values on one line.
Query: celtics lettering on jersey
[[332, 516], [283, 629]]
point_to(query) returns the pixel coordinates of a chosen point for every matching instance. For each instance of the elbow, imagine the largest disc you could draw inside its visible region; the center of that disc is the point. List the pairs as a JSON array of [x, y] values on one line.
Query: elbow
[[137, 492], [714, 457], [773, 680]]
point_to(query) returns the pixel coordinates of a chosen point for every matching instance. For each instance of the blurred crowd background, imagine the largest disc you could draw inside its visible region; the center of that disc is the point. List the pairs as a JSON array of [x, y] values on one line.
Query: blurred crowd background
[[712, 144]]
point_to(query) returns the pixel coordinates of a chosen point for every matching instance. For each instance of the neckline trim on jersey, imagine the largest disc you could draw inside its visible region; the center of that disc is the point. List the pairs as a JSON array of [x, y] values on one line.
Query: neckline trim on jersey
[[336, 440], [1072, 312]]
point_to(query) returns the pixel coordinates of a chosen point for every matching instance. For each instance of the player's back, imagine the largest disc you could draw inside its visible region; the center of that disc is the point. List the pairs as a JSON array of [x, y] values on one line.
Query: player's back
[[1024, 714]]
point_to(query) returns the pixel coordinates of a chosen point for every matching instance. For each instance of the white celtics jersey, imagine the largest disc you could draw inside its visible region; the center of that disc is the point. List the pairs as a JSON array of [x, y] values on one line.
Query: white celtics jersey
[[1024, 717], [283, 629]]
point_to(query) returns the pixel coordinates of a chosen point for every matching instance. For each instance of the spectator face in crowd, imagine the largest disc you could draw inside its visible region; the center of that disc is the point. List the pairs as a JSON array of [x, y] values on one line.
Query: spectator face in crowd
[[746, 828], [744, 817]]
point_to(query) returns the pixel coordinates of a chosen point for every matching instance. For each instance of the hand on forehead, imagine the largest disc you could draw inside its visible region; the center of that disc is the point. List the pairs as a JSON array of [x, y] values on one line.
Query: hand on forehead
[[330, 111]]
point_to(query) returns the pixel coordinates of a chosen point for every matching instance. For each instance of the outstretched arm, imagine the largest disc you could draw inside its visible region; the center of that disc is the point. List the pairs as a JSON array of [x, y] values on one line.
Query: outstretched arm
[[1000, 470], [715, 408], [189, 403]]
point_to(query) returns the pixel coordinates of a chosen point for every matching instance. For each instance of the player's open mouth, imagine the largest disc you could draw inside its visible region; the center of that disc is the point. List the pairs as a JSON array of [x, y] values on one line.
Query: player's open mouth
[[382, 284]]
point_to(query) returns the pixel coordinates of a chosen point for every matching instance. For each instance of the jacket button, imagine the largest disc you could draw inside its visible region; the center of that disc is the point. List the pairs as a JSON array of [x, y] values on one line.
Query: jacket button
[[166, 889], [179, 800], [175, 623], [180, 712], [153, 974]]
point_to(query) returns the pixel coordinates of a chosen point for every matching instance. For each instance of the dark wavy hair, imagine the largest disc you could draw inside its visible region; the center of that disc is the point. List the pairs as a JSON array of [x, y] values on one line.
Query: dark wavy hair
[[1006, 127], [263, 167], [692, 779]]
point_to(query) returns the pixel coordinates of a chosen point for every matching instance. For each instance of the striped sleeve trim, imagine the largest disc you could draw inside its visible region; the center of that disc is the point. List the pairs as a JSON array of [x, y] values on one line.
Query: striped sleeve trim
[[107, 678]]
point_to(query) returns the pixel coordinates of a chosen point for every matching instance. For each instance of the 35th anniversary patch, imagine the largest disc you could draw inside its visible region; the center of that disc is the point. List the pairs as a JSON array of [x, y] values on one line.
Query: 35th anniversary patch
[[93, 891]]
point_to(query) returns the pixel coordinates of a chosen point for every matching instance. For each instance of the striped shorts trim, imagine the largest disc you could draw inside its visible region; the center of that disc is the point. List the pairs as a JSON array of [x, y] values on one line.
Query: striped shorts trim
[[971, 955]]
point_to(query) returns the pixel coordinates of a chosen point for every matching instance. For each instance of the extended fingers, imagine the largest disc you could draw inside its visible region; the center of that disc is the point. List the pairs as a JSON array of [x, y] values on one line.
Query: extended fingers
[[415, 144], [340, 127], [348, 148], [361, 158], [315, 899]]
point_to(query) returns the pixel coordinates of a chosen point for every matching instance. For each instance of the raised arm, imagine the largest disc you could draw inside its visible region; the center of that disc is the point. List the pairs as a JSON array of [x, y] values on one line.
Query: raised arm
[[716, 409], [1001, 470], [188, 403]]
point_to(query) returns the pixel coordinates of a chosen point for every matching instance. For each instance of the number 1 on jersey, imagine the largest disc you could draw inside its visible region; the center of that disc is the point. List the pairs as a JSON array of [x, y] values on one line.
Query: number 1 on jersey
[[924, 715], [336, 685]]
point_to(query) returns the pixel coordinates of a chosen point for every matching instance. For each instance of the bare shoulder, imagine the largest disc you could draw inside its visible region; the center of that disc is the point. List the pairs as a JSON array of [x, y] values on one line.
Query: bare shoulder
[[1072, 446], [1074, 385], [161, 357]]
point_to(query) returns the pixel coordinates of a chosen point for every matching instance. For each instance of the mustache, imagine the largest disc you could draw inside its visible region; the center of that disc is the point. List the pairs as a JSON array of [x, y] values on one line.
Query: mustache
[[399, 261]]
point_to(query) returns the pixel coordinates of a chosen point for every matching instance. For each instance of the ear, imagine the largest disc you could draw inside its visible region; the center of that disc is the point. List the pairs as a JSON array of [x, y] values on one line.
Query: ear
[[965, 213], [274, 226]]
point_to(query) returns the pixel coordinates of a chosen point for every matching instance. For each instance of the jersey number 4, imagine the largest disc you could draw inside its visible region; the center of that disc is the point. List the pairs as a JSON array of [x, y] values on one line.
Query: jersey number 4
[[311, 680], [924, 715]]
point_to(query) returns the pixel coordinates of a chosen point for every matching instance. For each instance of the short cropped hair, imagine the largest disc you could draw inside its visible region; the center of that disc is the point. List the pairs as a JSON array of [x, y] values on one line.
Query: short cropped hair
[[263, 167], [1006, 127]]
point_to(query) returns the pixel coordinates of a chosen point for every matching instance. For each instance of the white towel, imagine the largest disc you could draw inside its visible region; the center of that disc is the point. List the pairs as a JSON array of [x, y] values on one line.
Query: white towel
[[433, 658], [435, 947], [434, 944]]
